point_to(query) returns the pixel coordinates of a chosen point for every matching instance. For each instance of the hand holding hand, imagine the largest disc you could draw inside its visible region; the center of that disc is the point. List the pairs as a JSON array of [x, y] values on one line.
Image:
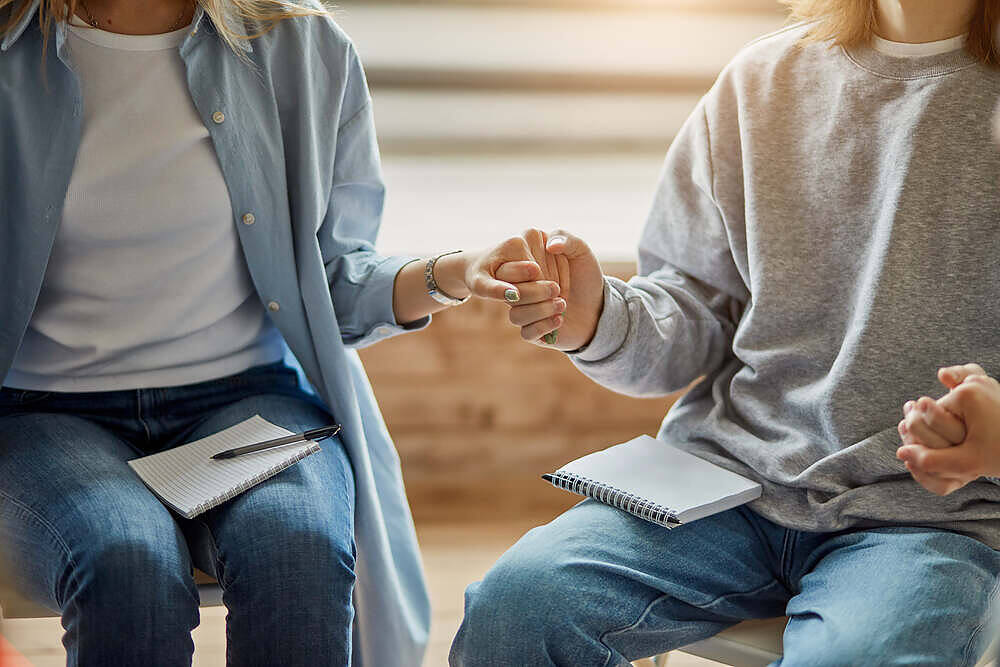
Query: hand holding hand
[[952, 441], [475, 273], [568, 261]]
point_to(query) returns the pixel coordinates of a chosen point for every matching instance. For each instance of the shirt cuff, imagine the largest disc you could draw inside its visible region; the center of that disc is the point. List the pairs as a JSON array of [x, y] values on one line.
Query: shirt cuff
[[383, 318], [612, 328]]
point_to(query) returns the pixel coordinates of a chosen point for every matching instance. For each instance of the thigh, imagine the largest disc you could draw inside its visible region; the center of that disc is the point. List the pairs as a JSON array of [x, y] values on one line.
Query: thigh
[[68, 499], [607, 586], [312, 499], [892, 596], [284, 550]]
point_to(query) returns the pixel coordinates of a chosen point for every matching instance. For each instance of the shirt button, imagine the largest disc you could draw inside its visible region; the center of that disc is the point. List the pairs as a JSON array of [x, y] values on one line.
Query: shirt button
[[273, 306], [248, 219], [218, 117]]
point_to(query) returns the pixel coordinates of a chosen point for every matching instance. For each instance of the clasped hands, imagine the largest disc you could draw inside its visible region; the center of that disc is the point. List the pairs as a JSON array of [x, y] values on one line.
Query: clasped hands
[[955, 439], [552, 282]]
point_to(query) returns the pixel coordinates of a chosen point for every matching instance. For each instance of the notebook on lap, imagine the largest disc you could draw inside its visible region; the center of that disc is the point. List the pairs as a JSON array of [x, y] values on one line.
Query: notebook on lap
[[655, 481]]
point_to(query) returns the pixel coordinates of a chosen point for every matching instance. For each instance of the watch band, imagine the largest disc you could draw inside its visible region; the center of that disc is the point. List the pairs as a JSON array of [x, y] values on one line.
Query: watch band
[[433, 290]]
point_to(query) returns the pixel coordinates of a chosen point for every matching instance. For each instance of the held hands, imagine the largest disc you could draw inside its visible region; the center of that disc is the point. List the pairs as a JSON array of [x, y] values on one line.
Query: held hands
[[476, 273], [568, 320], [952, 441], [553, 284]]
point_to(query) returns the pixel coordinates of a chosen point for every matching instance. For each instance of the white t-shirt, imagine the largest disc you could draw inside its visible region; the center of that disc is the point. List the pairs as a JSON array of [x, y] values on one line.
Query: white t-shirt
[[907, 50], [147, 285]]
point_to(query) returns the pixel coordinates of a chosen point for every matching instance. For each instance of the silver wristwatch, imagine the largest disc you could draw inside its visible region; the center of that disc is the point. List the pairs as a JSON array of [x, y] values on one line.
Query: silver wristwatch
[[433, 290]]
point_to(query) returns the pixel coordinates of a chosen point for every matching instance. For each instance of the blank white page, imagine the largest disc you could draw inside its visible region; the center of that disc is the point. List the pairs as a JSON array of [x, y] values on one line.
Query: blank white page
[[670, 477], [189, 481]]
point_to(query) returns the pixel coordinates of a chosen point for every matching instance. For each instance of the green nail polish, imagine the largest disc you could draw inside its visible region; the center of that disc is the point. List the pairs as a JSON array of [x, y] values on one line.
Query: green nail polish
[[551, 338], [511, 296]]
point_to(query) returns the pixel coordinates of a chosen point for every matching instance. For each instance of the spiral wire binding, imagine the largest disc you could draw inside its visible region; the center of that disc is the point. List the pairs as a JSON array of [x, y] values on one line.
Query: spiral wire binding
[[609, 495]]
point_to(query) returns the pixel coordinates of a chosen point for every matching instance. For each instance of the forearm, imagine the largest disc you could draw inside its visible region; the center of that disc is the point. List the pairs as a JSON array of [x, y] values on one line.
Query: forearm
[[410, 300]]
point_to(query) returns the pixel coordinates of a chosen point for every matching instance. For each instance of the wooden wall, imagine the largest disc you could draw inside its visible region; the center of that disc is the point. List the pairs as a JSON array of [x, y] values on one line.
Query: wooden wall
[[471, 406]]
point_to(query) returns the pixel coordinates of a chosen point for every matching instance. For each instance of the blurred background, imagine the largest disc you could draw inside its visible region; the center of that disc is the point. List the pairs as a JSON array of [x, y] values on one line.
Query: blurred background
[[497, 114], [494, 116]]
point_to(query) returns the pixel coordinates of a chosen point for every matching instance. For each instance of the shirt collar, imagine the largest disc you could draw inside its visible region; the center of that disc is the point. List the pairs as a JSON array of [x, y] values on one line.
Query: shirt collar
[[230, 18], [13, 34]]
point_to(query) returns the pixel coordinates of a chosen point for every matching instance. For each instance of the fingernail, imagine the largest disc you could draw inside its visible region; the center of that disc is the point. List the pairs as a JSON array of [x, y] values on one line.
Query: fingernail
[[557, 239], [560, 305], [511, 295], [551, 337], [554, 289]]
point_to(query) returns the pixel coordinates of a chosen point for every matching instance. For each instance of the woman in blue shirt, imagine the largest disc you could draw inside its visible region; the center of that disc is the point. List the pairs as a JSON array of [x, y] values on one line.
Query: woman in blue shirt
[[181, 206]]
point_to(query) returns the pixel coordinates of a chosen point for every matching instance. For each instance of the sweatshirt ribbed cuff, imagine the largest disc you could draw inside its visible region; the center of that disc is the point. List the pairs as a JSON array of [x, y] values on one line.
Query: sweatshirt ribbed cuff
[[612, 328]]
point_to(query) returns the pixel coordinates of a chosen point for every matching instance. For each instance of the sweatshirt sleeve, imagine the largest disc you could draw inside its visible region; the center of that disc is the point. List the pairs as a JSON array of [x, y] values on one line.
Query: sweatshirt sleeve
[[675, 320]]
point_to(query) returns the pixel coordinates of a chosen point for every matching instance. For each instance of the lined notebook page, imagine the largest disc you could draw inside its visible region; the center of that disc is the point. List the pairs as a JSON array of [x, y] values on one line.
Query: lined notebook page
[[189, 481]]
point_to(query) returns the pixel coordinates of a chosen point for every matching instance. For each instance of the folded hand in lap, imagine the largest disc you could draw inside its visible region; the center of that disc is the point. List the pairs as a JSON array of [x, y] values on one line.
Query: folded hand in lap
[[954, 440]]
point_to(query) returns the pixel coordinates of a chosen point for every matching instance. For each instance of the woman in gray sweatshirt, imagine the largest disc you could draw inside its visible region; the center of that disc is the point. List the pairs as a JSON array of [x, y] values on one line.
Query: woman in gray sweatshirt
[[823, 238]]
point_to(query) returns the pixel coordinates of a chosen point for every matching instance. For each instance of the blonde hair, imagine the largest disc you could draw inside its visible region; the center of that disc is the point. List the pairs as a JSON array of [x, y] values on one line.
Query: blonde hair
[[262, 15], [852, 22]]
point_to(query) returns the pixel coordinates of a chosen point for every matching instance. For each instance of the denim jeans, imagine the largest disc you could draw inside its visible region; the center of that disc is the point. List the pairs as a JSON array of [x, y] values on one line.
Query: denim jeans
[[600, 587], [83, 536]]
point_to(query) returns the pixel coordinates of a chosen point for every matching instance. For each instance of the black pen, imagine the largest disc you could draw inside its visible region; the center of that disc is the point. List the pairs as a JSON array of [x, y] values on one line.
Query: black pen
[[314, 434]]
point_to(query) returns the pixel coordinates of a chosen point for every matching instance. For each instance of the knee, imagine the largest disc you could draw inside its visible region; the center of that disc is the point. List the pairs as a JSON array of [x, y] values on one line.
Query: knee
[[303, 555], [325, 549], [136, 570], [514, 592], [860, 643], [522, 605]]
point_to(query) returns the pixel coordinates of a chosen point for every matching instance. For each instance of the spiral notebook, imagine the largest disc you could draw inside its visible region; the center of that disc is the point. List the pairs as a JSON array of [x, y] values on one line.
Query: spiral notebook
[[655, 481], [187, 480]]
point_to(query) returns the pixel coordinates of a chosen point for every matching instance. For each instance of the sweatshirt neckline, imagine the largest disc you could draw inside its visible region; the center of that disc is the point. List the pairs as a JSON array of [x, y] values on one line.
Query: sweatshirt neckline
[[907, 67]]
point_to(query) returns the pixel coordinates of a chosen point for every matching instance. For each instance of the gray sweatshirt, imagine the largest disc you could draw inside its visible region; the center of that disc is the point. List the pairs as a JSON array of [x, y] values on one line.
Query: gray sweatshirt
[[824, 236]]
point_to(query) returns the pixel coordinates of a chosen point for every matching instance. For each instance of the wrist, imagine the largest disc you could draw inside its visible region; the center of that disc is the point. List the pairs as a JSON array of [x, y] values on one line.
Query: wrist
[[595, 318], [449, 274], [590, 330]]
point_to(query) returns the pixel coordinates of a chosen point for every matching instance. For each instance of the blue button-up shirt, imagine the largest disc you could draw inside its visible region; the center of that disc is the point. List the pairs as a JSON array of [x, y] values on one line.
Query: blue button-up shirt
[[297, 149]]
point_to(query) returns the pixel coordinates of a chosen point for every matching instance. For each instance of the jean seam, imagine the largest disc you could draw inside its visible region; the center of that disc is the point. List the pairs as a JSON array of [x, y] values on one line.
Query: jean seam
[[23, 394], [138, 415], [47, 525], [787, 553], [220, 572], [968, 656], [630, 626], [215, 551], [645, 612], [753, 591]]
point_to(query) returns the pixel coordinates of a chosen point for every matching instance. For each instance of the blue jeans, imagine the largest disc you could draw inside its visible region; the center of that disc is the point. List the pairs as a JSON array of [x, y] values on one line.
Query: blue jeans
[[600, 587], [82, 535]]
